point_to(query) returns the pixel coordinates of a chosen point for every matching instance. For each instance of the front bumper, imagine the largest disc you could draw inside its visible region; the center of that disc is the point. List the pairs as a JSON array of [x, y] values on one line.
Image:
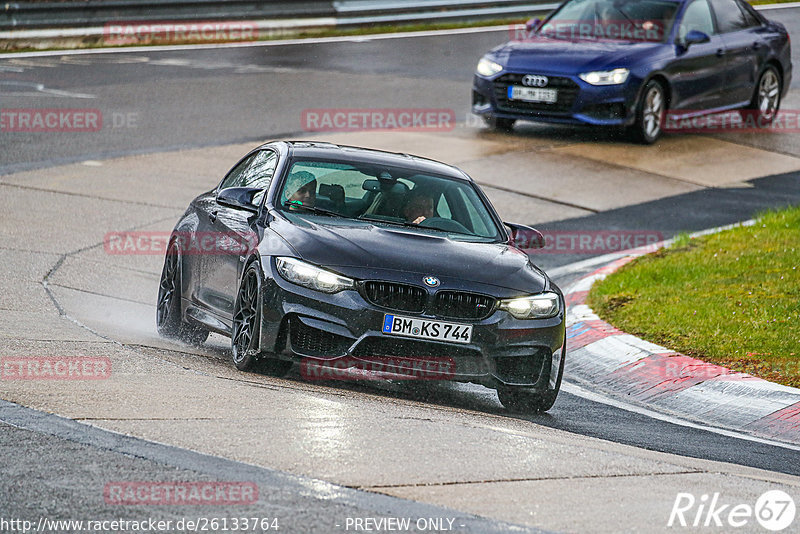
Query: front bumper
[[299, 323], [578, 102]]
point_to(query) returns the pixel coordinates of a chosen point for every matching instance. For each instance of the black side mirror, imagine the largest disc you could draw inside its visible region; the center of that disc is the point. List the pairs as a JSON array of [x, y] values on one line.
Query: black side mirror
[[695, 37], [525, 237], [239, 198], [533, 24]]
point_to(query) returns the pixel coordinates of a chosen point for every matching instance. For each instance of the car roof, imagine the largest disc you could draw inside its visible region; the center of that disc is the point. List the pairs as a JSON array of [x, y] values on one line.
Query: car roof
[[346, 153]]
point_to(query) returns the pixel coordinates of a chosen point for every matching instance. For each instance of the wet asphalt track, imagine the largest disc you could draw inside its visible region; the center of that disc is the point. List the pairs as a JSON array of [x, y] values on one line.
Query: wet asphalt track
[[189, 99]]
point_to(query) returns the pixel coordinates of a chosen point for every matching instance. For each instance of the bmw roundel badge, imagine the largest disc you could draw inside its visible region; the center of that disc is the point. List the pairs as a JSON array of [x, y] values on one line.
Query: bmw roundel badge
[[431, 281]]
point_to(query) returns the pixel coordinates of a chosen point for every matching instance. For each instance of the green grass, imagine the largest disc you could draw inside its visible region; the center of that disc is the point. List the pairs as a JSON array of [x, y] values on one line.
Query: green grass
[[732, 298]]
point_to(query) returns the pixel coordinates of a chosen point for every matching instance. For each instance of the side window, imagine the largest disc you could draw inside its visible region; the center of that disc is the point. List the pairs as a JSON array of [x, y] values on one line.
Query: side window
[[259, 173], [730, 17], [697, 17], [752, 18], [238, 174]]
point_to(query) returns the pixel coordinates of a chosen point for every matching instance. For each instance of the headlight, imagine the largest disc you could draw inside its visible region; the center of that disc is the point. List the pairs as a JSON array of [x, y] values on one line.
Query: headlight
[[310, 276], [542, 306], [487, 67], [606, 77]]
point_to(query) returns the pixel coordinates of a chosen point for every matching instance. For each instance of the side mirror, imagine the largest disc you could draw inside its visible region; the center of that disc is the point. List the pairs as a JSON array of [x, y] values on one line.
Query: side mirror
[[525, 237], [239, 198], [695, 37], [533, 24]]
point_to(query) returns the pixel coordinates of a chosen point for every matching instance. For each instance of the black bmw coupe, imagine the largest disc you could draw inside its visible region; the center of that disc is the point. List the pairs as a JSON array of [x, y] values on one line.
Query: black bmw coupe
[[313, 252]]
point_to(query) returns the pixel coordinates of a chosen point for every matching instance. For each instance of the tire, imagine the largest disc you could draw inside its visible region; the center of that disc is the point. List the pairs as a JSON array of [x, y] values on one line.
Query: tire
[[246, 328], [650, 113], [169, 321], [767, 96], [498, 124], [526, 401]]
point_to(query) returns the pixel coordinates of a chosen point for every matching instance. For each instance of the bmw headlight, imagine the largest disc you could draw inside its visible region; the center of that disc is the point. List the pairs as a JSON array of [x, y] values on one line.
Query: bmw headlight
[[487, 67], [541, 306], [606, 77], [310, 276]]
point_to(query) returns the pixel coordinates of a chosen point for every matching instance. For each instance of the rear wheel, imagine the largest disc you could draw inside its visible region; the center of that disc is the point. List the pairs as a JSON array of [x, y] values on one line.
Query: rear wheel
[[499, 124], [246, 333], [650, 113], [767, 98], [168, 309]]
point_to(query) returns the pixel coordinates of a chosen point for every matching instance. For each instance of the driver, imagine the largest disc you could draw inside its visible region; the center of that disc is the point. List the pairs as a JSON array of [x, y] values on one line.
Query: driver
[[301, 189], [419, 207]]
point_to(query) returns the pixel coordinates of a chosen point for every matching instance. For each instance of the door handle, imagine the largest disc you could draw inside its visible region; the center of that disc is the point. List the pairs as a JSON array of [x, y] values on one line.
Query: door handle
[[213, 216], [720, 52]]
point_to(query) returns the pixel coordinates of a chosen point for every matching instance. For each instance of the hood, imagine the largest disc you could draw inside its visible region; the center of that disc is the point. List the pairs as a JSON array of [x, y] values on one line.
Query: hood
[[559, 56], [364, 250]]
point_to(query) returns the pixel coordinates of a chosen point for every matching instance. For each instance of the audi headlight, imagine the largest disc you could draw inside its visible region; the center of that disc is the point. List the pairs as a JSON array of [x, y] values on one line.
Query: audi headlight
[[606, 77], [487, 67], [542, 306], [310, 276]]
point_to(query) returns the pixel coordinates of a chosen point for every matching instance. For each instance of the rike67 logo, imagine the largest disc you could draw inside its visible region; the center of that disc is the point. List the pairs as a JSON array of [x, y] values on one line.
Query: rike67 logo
[[774, 510]]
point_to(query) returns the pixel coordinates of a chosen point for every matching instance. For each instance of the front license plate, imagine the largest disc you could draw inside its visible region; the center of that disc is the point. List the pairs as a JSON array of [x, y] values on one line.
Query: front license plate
[[425, 329], [532, 94]]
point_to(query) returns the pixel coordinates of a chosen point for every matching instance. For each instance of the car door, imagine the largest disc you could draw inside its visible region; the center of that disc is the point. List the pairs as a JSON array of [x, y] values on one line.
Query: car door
[[232, 232], [744, 50], [207, 209], [698, 71]]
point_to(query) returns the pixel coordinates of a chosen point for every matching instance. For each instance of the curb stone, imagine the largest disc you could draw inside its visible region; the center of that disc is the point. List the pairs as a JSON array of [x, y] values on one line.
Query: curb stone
[[667, 381]]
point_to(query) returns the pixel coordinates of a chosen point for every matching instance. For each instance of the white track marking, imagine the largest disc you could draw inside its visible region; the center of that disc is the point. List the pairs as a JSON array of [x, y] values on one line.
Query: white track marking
[[578, 391]]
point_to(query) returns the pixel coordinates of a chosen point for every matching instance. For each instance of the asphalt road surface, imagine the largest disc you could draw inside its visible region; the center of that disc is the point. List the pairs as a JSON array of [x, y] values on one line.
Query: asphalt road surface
[[155, 102]]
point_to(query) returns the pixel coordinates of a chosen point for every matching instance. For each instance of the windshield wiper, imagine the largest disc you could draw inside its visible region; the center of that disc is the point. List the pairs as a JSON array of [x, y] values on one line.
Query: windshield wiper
[[312, 209], [412, 225], [380, 220]]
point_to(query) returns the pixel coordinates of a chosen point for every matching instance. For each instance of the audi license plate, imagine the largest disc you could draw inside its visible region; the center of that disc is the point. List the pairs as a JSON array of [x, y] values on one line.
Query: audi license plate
[[426, 329], [532, 94]]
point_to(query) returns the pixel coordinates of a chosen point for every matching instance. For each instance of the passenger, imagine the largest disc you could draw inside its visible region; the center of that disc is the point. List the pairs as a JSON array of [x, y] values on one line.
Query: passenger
[[301, 189], [418, 208]]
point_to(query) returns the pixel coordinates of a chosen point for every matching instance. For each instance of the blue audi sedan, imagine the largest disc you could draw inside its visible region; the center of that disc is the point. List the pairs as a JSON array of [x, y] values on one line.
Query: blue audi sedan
[[626, 63]]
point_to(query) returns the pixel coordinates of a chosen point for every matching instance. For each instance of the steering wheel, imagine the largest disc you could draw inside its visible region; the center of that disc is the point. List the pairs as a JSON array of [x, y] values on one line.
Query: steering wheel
[[446, 225]]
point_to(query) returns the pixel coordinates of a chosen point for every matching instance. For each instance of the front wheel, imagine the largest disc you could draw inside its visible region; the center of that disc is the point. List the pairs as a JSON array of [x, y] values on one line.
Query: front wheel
[[523, 400], [245, 338], [767, 98], [650, 113]]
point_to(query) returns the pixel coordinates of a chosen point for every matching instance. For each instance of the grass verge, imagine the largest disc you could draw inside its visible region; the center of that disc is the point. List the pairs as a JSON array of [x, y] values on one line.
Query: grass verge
[[731, 298]]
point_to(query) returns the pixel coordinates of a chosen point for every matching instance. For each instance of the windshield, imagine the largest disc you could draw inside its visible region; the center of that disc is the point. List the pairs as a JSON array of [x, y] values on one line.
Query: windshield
[[621, 20], [387, 195]]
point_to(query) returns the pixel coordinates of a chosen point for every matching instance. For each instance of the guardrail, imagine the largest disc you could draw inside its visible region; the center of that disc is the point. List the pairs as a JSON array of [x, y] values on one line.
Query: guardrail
[[92, 13]]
